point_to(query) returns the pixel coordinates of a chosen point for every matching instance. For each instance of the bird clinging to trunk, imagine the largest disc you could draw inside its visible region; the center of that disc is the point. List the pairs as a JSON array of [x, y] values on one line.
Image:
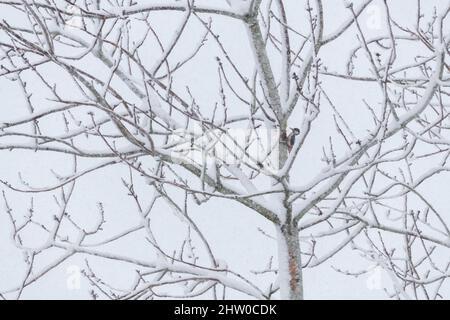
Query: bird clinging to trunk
[[291, 138]]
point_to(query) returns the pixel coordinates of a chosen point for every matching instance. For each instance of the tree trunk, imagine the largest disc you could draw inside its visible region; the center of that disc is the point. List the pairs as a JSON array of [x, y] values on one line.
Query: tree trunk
[[289, 263]]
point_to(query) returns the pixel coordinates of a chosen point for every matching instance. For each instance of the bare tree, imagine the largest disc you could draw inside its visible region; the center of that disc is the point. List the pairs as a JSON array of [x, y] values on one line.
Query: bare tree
[[123, 103]]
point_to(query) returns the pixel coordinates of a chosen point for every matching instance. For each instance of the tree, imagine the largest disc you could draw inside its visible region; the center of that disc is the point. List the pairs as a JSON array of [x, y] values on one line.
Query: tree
[[120, 100]]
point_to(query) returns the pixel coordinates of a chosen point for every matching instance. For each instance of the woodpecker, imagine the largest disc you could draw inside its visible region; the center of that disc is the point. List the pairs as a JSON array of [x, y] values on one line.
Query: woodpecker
[[291, 138]]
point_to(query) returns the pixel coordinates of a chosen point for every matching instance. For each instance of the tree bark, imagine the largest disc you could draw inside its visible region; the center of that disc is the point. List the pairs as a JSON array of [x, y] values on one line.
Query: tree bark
[[289, 263], [289, 259]]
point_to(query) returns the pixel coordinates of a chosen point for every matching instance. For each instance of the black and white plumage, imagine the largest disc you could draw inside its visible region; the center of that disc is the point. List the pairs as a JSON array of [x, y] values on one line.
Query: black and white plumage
[[291, 138]]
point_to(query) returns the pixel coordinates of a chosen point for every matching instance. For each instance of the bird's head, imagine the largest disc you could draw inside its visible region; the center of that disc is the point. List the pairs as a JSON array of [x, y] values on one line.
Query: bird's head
[[295, 131]]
